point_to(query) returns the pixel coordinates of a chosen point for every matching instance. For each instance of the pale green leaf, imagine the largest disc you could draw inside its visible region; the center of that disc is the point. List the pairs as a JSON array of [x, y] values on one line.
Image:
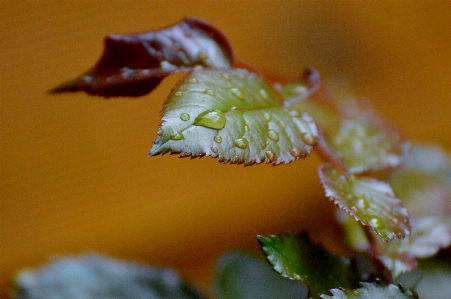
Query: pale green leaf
[[372, 291], [234, 116], [423, 183], [297, 258], [354, 137], [369, 201]]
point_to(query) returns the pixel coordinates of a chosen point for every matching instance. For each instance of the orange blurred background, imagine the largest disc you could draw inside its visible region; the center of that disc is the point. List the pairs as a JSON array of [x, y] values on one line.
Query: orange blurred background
[[75, 176]]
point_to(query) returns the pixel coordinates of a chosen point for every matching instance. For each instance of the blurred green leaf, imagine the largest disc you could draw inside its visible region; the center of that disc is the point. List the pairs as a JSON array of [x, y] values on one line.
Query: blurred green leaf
[[297, 258], [234, 116], [99, 277], [242, 276], [353, 136], [372, 291]]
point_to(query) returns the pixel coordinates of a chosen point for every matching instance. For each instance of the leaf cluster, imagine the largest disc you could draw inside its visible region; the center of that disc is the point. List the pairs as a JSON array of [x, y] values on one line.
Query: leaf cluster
[[226, 109]]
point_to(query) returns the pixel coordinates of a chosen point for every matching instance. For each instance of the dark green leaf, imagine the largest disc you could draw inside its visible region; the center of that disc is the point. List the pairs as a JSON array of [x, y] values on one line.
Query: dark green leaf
[[134, 64], [242, 276], [296, 257], [99, 277], [234, 116]]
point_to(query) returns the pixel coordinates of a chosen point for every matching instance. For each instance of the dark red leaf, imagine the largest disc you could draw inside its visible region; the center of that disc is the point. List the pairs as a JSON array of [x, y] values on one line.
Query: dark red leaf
[[134, 64]]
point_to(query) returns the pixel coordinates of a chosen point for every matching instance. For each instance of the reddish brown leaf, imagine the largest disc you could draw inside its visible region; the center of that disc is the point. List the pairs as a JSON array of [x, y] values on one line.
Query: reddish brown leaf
[[134, 64]]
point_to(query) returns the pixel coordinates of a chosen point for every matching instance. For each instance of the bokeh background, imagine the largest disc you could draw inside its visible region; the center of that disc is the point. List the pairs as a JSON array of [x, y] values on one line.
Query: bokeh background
[[75, 176]]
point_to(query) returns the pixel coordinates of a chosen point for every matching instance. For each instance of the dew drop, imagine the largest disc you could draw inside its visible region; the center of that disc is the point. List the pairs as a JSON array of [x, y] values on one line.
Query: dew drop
[[375, 221], [217, 139], [263, 94], [241, 142], [209, 92], [282, 124], [362, 203], [246, 128], [225, 76], [214, 149], [213, 119], [269, 155], [192, 81], [184, 116], [178, 93], [308, 138], [176, 136], [236, 92], [273, 135], [353, 209], [296, 153], [294, 113], [267, 116]]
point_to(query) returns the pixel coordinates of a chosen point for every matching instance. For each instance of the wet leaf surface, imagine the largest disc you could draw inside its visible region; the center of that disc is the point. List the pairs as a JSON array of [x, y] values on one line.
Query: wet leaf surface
[[297, 258], [134, 64], [353, 137], [234, 116], [369, 201]]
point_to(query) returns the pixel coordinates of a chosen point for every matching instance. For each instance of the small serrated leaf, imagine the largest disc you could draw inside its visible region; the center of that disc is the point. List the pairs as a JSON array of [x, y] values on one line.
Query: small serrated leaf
[[95, 276], [372, 291], [297, 258], [134, 64], [355, 137], [369, 201], [234, 116]]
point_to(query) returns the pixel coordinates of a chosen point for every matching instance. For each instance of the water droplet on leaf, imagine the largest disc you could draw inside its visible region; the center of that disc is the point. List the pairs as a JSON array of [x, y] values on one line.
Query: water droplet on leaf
[[308, 138], [209, 92], [236, 92], [178, 93], [362, 203], [176, 136], [375, 221], [192, 81], [214, 149], [269, 155], [267, 116], [294, 113], [213, 119], [184, 116], [263, 93], [218, 139], [273, 135], [241, 142]]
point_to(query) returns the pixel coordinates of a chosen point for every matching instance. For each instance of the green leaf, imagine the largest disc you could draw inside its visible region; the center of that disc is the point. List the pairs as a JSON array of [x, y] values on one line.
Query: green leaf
[[372, 291], [234, 116], [243, 276], [100, 277], [297, 258], [134, 64], [353, 136], [371, 202]]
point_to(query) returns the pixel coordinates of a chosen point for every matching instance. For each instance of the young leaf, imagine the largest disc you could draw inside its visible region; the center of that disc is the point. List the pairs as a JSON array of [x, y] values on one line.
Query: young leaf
[[425, 177], [369, 201], [372, 291], [99, 277], [355, 137], [134, 64], [234, 116], [242, 276], [297, 258]]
